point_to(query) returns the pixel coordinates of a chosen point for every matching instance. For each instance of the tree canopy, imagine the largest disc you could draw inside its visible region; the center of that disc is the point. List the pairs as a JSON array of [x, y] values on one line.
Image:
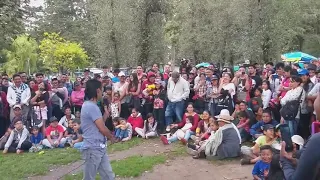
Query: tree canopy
[[131, 32], [61, 55], [22, 55]]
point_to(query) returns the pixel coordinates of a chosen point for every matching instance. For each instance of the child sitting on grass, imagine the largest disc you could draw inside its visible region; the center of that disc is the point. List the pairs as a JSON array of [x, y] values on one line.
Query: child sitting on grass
[[252, 154], [36, 139], [18, 140], [69, 131], [149, 129], [244, 126], [54, 134], [123, 130], [261, 168], [77, 139], [135, 119]]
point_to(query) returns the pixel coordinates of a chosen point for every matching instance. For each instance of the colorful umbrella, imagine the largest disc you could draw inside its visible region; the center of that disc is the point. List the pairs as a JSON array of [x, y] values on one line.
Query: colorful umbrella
[[203, 65], [297, 57]]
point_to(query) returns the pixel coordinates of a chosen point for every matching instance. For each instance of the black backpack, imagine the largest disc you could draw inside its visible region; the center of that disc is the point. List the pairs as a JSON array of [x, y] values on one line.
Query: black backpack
[[224, 102], [290, 110]]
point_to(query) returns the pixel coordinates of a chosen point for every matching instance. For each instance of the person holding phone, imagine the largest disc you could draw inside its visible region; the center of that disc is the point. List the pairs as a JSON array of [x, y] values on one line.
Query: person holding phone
[[308, 165]]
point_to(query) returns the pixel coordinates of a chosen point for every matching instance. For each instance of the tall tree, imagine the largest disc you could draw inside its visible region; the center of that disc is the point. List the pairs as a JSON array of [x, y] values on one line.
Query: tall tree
[[11, 23], [22, 55]]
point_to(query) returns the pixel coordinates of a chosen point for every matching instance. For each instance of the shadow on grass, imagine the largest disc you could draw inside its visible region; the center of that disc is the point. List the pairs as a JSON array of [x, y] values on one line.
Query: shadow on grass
[[132, 166]]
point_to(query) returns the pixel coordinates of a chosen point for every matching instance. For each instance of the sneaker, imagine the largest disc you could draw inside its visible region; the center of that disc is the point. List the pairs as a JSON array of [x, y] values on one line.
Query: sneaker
[[138, 135], [192, 152], [168, 129], [202, 155], [245, 161], [164, 140], [183, 141], [191, 146]]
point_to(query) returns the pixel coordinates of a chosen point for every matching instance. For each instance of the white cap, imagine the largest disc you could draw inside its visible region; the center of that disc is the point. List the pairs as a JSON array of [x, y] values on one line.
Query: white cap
[[297, 140], [121, 74], [17, 106]]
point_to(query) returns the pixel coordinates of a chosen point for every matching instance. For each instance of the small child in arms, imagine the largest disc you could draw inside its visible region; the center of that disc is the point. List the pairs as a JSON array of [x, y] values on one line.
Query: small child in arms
[[261, 168], [180, 133]]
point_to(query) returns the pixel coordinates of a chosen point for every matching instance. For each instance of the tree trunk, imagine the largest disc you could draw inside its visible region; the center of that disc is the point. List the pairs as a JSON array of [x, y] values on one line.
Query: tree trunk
[[113, 34]]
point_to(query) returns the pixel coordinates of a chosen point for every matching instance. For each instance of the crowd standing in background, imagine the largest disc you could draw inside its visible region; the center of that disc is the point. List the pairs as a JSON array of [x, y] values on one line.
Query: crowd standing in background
[[210, 110]]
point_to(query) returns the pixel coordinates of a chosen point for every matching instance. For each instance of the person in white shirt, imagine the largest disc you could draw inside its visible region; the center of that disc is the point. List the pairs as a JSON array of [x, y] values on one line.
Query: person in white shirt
[[178, 91], [294, 94], [18, 93], [266, 94], [226, 84]]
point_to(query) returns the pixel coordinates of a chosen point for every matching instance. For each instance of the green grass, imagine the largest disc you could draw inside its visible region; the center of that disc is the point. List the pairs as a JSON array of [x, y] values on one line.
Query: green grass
[[132, 166], [13, 166], [121, 146]]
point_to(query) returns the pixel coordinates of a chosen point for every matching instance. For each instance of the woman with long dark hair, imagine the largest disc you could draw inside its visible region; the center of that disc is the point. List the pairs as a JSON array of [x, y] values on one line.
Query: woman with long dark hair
[[94, 133], [133, 92]]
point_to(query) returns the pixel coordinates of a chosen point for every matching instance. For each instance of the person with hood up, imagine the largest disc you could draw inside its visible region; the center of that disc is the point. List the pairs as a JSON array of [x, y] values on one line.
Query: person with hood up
[[135, 119]]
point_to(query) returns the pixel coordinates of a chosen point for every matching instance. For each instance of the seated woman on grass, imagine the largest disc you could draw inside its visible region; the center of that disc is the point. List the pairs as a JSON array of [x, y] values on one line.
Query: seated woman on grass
[[190, 112], [203, 130], [226, 141]]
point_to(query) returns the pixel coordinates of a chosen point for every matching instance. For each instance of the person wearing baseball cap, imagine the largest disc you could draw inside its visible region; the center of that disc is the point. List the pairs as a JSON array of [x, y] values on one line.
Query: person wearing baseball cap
[[54, 134]]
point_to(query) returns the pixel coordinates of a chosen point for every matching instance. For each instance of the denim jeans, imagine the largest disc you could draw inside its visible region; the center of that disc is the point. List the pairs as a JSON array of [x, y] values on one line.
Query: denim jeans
[[186, 137], [121, 133], [174, 108], [96, 160], [78, 145], [293, 126], [244, 134]]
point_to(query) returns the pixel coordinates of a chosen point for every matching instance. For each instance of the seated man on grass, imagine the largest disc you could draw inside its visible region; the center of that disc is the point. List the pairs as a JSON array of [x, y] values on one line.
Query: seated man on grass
[[18, 140], [54, 134]]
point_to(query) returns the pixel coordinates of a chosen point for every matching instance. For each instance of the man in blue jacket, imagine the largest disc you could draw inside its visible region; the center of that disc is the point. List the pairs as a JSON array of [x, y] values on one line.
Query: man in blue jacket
[[256, 129]]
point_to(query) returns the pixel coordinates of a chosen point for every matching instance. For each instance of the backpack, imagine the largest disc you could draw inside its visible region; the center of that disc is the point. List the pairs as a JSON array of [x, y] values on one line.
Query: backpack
[[290, 110], [224, 102]]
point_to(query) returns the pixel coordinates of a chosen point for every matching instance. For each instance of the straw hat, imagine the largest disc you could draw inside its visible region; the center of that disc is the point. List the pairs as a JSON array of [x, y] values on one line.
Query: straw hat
[[224, 116]]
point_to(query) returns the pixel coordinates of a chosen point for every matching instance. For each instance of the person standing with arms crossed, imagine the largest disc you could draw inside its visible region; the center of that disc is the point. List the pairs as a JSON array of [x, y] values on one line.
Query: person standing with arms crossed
[[94, 135]]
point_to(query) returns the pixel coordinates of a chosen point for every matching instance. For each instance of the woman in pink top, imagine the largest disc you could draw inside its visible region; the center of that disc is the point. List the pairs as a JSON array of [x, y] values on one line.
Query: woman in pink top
[[284, 87], [77, 97]]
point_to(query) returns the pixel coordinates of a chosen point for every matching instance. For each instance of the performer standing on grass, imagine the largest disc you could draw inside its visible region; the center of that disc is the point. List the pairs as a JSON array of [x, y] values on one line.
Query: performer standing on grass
[[94, 132]]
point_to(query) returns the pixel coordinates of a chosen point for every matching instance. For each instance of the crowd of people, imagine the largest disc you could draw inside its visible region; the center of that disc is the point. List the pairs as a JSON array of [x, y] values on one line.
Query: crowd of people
[[210, 110]]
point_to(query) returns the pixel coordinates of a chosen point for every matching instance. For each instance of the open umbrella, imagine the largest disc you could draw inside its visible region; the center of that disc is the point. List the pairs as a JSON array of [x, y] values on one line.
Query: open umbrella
[[297, 57], [204, 64]]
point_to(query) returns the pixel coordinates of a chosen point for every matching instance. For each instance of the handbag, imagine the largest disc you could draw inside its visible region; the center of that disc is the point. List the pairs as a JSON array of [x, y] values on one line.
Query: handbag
[[290, 110]]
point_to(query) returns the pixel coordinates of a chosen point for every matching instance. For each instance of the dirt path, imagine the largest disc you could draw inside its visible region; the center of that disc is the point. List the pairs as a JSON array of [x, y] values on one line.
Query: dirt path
[[147, 148], [181, 168], [186, 168]]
